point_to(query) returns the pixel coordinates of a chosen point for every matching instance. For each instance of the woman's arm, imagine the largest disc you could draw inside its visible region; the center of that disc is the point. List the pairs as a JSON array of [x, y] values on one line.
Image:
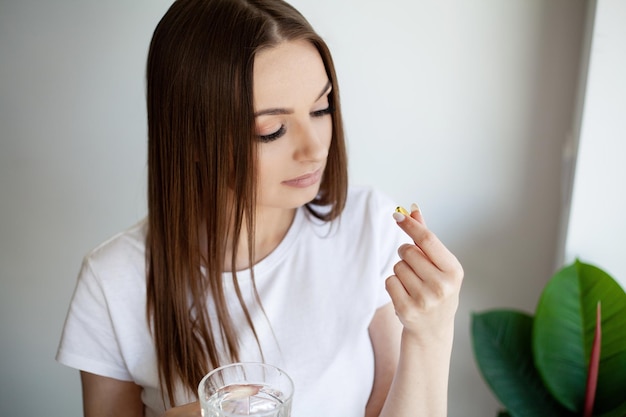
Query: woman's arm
[[108, 397], [384, 330], [425, 293]]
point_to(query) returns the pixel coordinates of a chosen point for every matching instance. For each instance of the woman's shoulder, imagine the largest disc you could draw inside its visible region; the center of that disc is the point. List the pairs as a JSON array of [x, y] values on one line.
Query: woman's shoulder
[[121, 251]]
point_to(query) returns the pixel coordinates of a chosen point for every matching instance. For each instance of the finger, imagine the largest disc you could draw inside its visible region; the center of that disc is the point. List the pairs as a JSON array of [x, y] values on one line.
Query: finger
[[416, 213], [399, 297], [427, 241], [418, 275], [411, 282], [418, 261], [403, 301]]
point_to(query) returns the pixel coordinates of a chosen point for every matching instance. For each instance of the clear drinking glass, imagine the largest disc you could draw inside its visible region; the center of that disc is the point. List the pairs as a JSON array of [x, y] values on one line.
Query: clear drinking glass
[[246, 389]]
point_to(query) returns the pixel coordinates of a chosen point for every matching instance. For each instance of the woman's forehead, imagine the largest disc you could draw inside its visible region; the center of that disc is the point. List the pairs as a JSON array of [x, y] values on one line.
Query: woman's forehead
[[289, 72]]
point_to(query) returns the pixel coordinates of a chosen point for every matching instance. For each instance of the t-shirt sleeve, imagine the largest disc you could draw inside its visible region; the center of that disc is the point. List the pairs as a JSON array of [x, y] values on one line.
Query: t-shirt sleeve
[[89, 341]]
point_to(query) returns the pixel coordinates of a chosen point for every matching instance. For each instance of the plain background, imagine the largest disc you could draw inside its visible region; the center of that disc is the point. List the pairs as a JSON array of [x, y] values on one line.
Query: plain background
[[596, 220], [470, 108]]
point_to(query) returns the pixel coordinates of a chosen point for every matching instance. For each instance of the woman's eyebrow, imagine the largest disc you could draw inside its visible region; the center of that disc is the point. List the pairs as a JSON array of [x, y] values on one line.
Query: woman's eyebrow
[[275, 111]]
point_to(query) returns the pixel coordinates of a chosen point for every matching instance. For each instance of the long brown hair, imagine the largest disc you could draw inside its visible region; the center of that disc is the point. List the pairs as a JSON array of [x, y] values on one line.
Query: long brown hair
[[201, 170]]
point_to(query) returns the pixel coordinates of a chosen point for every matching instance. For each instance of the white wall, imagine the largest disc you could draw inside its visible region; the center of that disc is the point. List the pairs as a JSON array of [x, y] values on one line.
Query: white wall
[[460, 106], [597, 221]]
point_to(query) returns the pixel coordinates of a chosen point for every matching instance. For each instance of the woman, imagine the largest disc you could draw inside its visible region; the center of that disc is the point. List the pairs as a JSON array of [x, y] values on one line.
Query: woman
[[254, 248]]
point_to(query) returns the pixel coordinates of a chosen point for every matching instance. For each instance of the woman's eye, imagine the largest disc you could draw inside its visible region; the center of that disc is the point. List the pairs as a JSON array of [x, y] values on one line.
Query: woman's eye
[[323, 112], [273, 136]]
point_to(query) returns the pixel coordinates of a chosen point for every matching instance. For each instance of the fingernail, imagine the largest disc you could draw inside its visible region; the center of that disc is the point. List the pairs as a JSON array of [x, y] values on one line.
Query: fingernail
[[415, 207], [397, 216]]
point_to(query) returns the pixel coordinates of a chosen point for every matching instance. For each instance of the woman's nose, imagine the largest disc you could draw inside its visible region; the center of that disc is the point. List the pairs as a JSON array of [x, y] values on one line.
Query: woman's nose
[[312, 140]]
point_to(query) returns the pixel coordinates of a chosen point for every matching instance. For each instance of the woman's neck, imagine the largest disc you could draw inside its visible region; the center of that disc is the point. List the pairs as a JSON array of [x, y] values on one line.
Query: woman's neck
[[271, 226]]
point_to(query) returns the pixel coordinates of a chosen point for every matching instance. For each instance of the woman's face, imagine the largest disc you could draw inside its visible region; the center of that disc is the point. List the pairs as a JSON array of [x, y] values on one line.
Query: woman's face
[[293, 123]]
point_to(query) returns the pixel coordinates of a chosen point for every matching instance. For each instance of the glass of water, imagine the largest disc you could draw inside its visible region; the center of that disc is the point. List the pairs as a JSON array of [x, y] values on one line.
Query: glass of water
[[246, 389]]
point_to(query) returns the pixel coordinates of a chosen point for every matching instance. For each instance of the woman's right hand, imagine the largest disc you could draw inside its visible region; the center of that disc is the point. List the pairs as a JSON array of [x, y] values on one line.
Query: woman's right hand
[[187, 410]]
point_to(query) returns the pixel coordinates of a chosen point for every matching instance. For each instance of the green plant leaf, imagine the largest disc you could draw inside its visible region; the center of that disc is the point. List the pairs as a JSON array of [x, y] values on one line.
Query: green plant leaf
[[502, 346], [563, 332]]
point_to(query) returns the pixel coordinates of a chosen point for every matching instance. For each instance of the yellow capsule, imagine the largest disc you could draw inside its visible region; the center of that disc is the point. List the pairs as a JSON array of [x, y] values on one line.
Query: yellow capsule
[[402, 210]]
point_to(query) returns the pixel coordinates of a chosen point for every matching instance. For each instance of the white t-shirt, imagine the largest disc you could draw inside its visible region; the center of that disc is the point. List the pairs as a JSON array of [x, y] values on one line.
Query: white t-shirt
[[319, 288]]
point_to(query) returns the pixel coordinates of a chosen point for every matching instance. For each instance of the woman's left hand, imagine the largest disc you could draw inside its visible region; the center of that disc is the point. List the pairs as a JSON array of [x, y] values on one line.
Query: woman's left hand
[[426, 285]]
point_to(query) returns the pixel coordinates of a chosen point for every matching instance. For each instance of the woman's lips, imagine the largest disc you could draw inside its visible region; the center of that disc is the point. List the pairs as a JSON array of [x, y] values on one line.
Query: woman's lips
[[306, 180]]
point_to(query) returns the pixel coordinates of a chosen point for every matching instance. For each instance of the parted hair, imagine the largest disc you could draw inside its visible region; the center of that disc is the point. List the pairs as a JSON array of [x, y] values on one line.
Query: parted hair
[[202, 151]]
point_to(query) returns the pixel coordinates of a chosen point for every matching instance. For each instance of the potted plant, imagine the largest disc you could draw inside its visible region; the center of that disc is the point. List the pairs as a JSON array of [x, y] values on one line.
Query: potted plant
[[569, 359]]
